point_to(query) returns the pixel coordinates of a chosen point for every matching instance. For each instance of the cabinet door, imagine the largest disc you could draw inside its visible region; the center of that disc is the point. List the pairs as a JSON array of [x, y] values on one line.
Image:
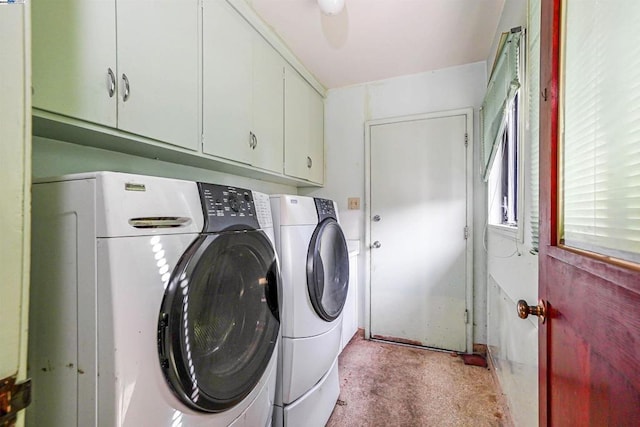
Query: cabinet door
[[316, 136], [304, 129], [158, 61], [227, 86], [268, 106], [73, 49]]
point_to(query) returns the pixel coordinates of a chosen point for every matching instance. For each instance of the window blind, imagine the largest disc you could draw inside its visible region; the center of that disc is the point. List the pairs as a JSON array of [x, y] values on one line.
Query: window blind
[[501, 90], [533, 80], [601, 128]]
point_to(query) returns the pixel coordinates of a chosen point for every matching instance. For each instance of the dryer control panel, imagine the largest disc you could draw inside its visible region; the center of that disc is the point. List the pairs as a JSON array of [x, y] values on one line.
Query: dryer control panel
[[227, 208], [325, 209]]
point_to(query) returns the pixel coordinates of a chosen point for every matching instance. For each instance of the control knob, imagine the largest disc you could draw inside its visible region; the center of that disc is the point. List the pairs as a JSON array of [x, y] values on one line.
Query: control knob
[[233, 203]]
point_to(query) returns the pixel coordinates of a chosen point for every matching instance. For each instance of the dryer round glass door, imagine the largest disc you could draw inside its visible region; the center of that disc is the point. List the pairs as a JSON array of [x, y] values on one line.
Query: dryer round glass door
[[219, 320], [328, 270]]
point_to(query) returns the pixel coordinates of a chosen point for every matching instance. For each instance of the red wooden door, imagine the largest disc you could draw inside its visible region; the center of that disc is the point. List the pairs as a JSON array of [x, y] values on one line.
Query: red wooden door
[[590, 344]]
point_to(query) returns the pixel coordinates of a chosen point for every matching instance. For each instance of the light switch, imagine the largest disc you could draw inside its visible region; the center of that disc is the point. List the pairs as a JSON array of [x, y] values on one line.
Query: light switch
[[353, 203]]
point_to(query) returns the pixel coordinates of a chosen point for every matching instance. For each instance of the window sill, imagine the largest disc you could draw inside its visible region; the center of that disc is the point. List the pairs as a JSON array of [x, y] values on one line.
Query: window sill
[[512, 232]]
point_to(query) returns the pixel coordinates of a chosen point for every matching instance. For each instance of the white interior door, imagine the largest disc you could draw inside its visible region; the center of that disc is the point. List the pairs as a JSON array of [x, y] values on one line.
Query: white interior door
[[418, 218], [15, 175]]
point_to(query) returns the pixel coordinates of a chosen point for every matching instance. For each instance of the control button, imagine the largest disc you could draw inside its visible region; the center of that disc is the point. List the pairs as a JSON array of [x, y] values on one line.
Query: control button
[[233, 203]]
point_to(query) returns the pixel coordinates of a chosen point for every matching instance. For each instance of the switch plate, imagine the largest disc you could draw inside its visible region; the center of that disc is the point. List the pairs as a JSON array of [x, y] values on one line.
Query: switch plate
[[353, 203]]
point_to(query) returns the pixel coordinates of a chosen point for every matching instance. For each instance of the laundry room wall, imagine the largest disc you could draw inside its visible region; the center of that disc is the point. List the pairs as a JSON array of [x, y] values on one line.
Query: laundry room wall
[[52, 158], [347, 109], [512, 269]]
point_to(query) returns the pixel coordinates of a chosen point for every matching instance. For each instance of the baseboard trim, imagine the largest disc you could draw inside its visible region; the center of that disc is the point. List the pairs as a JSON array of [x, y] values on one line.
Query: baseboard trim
[[502, 398]]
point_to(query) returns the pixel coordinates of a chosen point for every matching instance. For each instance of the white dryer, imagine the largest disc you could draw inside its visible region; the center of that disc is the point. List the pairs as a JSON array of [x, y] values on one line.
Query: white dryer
[[315, 275], [153, 303]]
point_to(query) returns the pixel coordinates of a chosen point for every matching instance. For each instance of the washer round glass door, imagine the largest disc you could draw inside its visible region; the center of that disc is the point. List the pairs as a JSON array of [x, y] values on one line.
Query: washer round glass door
[[328, 270], [219, 319]]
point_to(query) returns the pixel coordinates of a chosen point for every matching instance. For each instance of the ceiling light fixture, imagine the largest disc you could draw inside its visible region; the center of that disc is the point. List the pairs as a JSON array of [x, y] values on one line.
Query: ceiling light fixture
[[331, 7]]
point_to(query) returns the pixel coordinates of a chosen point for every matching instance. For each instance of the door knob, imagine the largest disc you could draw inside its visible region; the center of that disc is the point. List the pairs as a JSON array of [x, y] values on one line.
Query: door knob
[[376, 218], [376, 244], [540, 310]]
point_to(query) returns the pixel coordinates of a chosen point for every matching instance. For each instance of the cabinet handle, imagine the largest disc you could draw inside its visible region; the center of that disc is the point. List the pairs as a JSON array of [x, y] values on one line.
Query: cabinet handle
[[255, 141], [252, 140], [309, 162], [127, 92], [112, 82]]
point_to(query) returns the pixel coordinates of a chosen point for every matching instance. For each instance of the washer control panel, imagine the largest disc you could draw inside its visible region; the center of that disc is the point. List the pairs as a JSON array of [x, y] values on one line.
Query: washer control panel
[[227, 208], [325, 209]]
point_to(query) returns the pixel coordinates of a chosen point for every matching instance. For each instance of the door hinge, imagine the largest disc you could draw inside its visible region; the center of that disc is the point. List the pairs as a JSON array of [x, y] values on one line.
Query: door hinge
[[14, 397], [466, 232], [466, 139], [466, 316]]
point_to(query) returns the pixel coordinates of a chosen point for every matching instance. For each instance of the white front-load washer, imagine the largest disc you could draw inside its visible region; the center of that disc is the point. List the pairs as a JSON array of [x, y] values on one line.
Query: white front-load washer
[[315, 275], [153, 303]]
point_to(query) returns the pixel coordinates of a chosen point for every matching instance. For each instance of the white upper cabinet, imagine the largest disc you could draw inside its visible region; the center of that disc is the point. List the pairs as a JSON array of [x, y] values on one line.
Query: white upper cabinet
[[227, 88], [142, 78], [74, 59], [242, 91], [268, 106], [158, 66], [199, 82], [304, 129]]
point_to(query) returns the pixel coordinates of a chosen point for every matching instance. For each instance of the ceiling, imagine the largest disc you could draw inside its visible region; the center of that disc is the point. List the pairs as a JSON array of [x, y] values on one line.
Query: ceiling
[[379, 39]]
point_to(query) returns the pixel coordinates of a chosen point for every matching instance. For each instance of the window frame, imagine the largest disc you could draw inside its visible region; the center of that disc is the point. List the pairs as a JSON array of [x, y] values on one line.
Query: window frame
[[515, 231]]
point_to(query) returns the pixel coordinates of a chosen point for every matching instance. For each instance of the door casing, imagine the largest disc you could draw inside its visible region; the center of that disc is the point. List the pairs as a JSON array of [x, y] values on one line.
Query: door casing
[[468, 112]]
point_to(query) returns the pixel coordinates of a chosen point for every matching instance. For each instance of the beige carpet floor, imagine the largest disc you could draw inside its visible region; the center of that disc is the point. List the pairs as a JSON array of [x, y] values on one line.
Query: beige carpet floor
[[392, 385]]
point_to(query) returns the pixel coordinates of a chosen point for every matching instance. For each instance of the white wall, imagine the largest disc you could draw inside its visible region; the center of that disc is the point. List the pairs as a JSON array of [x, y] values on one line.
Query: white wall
[[53, 158], [512, 275], [347, 109]]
